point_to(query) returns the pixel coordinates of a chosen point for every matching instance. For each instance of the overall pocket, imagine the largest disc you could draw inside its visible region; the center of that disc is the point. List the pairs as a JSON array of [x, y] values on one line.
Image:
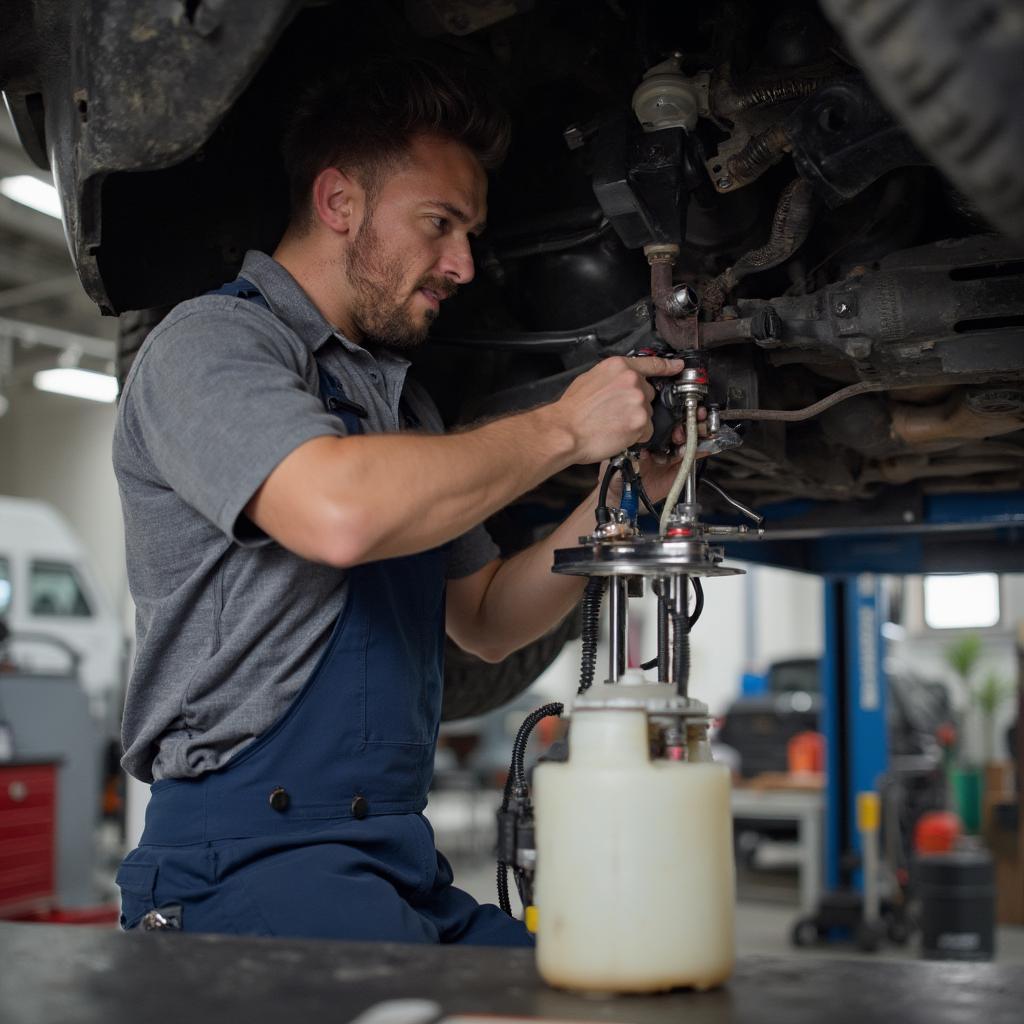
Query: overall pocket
[[137, 882]]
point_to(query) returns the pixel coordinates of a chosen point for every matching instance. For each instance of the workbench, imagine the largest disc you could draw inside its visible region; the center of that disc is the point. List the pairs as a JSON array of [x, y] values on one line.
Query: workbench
[[86, 975], [806, 808]]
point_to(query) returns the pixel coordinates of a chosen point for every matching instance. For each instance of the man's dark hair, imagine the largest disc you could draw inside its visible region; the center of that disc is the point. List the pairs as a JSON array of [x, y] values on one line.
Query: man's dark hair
[[364, 119]]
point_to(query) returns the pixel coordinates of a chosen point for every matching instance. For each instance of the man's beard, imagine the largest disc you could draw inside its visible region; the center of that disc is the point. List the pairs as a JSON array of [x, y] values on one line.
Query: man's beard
[[376, 313]]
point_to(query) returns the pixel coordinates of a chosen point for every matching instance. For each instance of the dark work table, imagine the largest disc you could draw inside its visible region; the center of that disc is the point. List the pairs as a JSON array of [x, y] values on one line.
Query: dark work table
[[60, 974]]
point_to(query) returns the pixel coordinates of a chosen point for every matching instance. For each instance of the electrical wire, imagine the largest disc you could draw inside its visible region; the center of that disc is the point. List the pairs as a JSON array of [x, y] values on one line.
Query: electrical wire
[[602, 496], [645, 498], [515, 783], [689, 458]]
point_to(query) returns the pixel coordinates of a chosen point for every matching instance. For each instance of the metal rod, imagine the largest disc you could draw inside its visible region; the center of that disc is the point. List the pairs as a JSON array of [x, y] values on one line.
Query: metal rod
[[618, 627], [690, 488]]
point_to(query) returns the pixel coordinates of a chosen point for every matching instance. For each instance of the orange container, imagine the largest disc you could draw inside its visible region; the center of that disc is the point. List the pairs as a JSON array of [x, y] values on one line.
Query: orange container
[[805, 752]]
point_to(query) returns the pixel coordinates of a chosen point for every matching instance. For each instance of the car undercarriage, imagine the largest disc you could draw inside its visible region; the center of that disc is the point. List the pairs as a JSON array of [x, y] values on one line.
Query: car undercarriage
[[838, 187]]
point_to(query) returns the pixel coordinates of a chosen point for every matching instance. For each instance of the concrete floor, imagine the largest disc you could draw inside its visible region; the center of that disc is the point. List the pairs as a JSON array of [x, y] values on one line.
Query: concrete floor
[[767, 903], [762, 928]]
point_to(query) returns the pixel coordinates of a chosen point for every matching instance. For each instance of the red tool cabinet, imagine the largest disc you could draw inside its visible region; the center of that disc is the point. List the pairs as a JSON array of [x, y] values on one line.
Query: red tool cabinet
[[28, 830]]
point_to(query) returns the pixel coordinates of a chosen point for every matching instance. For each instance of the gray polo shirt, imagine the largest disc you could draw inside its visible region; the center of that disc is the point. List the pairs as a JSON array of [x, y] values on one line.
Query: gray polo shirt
[[229, 624]]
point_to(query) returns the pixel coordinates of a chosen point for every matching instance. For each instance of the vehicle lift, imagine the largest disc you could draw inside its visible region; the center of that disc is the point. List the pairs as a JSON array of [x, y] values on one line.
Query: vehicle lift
[[941, 533]]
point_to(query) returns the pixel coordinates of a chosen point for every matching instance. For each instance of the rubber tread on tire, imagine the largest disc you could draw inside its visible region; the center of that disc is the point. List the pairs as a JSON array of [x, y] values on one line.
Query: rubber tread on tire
[[952, 71]]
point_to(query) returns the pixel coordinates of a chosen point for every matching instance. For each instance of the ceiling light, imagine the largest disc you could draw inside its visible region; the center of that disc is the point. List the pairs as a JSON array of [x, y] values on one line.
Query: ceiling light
[[30, 191], [66, 380]]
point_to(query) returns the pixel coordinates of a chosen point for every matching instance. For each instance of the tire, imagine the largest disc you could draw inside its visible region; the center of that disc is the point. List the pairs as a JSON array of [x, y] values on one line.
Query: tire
[[474, 687], [952, 73], [805, 933]]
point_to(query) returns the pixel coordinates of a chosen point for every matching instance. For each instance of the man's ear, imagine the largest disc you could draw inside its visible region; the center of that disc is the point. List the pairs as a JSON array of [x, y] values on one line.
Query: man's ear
[[337, 200]]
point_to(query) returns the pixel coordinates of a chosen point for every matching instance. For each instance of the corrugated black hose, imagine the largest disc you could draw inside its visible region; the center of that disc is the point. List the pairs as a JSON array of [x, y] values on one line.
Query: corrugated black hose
[[681, 649], [690, 620], [591, 627], [515, 786]]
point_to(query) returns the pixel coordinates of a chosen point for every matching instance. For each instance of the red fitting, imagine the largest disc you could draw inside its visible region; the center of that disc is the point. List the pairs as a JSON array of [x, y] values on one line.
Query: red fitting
[[679, 531]]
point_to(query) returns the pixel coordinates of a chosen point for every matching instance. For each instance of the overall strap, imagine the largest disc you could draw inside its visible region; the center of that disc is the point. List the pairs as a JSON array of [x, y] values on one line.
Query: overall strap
[[331, 391], [240, 288]]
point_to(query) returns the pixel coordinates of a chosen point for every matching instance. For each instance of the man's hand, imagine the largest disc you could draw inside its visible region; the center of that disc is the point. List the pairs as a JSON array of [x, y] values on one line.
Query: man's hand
[[608, 408], [658, 471]]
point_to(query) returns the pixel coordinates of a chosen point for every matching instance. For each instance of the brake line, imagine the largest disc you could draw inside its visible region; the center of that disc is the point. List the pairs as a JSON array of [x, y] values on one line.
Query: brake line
[[810, 411]]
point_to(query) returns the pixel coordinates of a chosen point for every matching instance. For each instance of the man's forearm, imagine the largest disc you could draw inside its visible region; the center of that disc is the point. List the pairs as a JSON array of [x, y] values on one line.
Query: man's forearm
[[384, 495], [351, 500], [525, 598]]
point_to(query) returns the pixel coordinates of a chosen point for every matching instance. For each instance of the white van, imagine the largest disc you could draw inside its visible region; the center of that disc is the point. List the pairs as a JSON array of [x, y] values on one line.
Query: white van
[[55, 608]]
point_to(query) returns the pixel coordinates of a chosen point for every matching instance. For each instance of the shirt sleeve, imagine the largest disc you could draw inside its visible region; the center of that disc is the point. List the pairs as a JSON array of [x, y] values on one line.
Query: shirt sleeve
[[218, 397]]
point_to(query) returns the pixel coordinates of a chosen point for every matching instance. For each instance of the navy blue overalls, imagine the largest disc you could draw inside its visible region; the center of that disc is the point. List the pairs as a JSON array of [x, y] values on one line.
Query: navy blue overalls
[[315, 829]]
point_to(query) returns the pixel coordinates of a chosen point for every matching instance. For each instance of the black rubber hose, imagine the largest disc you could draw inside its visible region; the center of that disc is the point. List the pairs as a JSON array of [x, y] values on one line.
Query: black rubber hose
[[503, 901], [602, 495], [645, 498], [591, 616], [681, 651], [698, 607], [698, 598], [516, 780]]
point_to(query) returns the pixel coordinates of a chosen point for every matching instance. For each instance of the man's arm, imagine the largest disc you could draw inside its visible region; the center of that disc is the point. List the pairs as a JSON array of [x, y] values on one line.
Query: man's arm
[[508, 603], [349, 500]]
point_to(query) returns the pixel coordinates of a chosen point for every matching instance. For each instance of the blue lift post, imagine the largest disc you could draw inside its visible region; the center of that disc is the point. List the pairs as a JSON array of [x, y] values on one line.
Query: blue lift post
[[910, 533], [854, 717]]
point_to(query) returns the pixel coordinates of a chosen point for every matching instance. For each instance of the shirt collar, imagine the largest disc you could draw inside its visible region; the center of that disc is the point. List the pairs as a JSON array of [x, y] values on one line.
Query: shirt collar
[[293, 306]]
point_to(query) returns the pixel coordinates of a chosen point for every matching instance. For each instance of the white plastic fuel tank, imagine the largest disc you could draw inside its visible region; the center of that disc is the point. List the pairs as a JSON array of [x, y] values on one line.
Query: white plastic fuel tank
[[635, 885]]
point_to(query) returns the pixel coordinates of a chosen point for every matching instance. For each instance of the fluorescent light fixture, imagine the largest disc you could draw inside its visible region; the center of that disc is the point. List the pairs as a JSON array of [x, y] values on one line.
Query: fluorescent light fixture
[[28, 190], [67, 380]]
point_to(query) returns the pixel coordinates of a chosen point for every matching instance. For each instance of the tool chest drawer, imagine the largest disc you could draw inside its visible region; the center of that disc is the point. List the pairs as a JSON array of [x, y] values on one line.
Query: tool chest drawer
[[27, 835]]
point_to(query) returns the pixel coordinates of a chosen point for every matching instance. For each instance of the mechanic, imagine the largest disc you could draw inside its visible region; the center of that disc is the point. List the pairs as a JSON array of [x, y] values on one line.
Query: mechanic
[[300, 534]]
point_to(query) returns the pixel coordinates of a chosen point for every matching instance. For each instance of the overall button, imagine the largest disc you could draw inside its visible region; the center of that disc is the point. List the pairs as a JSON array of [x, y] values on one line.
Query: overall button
[[360, 806], [279, 799]]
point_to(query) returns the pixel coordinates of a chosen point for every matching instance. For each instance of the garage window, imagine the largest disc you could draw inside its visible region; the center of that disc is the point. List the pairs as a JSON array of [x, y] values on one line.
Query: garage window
[[969, 601], [54, 591], [5, 586]]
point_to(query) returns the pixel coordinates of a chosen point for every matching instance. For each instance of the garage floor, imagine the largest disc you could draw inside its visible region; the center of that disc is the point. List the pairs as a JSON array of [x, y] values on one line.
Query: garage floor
[[762, 928], [765, 912]]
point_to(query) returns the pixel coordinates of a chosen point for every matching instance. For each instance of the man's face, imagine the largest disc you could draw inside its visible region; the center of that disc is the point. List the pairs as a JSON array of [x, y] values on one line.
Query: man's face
[[411, 250]]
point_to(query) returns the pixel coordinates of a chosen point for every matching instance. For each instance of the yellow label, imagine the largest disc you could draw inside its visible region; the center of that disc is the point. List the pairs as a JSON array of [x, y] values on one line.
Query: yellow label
[[869, 812], [530, 919]]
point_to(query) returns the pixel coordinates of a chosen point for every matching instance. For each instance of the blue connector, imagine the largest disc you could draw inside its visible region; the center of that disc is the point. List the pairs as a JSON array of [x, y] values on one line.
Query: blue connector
[[630, 503]]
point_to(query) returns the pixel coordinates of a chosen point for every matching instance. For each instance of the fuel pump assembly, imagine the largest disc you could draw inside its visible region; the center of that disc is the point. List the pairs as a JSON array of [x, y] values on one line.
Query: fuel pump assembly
[[622, 851]]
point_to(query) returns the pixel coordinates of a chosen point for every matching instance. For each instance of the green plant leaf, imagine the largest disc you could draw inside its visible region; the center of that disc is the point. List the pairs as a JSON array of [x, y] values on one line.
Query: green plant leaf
[[962, 656], [991, 692]]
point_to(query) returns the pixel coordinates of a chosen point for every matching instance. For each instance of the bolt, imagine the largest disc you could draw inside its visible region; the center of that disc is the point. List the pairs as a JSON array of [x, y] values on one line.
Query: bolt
[[640, 311], [724, 183], [908, 516], [843, 309], [681, 301]]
